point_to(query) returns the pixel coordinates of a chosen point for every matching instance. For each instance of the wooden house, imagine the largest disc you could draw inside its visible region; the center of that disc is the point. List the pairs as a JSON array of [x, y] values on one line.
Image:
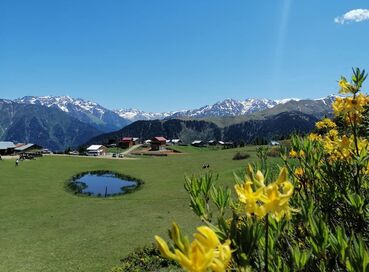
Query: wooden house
[[7, 148], [96, 150], [158, 143], [126, 142], [198, 143], [22, 148]]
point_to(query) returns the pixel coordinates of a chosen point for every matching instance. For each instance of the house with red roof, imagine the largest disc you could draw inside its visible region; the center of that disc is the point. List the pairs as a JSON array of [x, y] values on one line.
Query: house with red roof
[[126, 142], [158, 143]]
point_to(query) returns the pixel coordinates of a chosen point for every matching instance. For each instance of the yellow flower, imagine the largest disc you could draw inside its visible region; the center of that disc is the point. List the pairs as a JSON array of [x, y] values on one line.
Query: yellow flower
[[345, 86], [299, 172], [205, 252], [250, 198], [272, 199], [350, 107], [325, 123], [293, 154], [277, 200], [333, 133], [314, 137], [302, 153]]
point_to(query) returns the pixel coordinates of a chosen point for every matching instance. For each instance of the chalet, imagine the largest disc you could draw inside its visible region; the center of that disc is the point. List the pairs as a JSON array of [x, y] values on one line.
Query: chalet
[[274, 143], [176, 141], [126, 142], [228, 145], [198, 143], [158, 143], [22, 148], [212, 142], [96, 150], [6, 148]]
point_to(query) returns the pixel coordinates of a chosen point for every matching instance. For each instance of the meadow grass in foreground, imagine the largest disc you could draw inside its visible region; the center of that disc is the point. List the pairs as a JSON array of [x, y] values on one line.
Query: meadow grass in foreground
[[45, 228]]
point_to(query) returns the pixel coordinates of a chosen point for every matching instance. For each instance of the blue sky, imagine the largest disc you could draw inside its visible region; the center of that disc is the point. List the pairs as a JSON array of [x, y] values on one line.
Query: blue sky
[[168, 55]]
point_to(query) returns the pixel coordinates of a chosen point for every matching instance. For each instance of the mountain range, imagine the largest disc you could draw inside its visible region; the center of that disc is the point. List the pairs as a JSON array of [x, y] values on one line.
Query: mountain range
[[88, 112], [276, 126], [48, 127], [58, 122]]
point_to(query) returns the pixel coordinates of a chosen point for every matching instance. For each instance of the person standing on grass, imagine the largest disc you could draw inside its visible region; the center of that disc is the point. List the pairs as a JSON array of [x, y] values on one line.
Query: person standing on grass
[[16, 162]]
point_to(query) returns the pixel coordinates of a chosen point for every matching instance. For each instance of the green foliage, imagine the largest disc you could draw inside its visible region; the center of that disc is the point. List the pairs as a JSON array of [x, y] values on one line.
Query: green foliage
[[145, 259], [330, 174]]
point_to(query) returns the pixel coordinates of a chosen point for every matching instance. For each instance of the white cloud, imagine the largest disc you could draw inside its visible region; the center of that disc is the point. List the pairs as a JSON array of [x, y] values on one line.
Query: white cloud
[[355, 15]]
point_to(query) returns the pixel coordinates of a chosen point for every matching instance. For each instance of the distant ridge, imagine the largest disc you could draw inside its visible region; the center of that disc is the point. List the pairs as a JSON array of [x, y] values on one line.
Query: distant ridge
[[58, 122], [48, 127], [273, 127], [234, 108], [85, 111]]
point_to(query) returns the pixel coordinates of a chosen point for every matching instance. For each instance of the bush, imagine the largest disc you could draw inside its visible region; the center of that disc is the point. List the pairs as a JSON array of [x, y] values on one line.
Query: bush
[[274, 152], [240, 156], [313, 216], [145, 259]]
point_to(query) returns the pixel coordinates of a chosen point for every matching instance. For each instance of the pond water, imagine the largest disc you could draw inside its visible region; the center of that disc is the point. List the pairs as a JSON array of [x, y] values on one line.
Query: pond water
[[102, 184]]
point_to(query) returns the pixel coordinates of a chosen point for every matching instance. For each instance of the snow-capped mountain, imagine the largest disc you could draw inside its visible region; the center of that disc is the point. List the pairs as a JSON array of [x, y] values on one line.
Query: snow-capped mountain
[[328, 100], [232, 107], [83, 110], [225, 108], [109, 120], [135, 114]]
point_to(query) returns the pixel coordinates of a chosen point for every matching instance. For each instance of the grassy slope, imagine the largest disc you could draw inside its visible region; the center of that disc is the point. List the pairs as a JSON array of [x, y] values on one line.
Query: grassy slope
[[45, 228]]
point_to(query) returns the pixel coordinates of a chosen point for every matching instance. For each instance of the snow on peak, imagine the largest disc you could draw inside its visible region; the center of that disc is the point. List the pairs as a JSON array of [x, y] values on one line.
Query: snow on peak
[[65, 103], [135, 114], [285, 100]]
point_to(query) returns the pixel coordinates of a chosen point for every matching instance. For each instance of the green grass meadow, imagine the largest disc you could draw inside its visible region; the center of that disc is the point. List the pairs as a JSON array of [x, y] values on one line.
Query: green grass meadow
[[43, 227]]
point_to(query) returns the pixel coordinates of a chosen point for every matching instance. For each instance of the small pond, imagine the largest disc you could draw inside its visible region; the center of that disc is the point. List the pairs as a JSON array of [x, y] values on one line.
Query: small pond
[[102, 184]]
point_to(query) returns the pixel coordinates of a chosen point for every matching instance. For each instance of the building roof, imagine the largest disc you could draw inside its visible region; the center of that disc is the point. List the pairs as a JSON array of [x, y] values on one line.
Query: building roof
[[176, 140], [160, 139], [196, 142], [274, 142], [135, 139], [94, 147], [127, 139], [6, 145], [24, 147]]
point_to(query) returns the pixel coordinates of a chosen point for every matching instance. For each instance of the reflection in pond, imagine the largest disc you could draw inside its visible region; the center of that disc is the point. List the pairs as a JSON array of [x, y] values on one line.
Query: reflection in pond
[[102, 183]]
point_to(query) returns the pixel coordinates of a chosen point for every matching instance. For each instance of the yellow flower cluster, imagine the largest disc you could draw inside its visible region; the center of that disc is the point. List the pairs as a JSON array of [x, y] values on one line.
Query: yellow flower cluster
[[294, 154], [343, 148], [325, 123], [203, 254], [350, 107], [261, 199]]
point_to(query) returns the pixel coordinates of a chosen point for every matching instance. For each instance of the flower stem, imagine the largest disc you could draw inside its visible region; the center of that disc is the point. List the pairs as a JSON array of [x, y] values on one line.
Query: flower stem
[[266, 242]]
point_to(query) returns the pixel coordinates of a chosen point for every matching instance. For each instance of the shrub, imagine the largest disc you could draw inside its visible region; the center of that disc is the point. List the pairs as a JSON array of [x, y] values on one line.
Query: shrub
[[274, 152], [145, 259], [313, 216], [240, 156]]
